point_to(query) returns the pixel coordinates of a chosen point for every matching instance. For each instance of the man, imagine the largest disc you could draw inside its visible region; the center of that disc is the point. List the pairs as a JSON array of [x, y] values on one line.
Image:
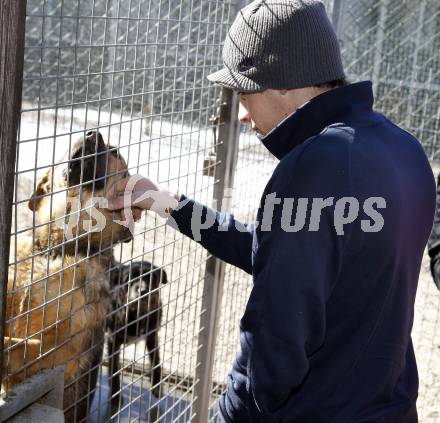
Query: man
[[336, 250]]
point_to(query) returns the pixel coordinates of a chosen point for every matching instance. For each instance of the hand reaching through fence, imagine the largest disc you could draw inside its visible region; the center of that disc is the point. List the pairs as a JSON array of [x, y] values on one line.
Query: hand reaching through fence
[[141, 193]]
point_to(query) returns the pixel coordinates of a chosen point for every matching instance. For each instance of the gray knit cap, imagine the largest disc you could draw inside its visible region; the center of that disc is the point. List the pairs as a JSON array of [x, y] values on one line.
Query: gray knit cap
[[280, 44]]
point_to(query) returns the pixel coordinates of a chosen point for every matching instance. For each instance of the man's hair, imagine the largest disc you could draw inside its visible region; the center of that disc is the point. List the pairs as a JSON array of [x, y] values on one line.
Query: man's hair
[[334, 84]]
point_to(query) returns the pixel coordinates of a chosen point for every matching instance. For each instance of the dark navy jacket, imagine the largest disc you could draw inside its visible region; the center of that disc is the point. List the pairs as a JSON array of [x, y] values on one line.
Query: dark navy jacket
[[326, 332]]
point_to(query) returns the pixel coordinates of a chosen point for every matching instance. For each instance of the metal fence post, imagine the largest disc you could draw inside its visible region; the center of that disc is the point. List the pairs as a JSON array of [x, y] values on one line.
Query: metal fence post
[[215, 268], [338, 18], [418, 45], [378, 53], [12, 27]]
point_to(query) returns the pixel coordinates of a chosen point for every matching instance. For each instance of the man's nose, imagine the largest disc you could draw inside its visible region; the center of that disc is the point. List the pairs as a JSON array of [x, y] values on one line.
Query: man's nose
[[243, 114]]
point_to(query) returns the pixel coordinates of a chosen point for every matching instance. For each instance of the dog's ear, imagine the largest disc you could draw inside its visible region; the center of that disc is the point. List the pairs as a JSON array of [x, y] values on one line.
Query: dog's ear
[[43, 187], [164, 276], [87, 160], [160, 275]]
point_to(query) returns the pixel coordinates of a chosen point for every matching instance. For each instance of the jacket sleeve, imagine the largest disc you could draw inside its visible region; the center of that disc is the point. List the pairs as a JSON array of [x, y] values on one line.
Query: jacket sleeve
[[294, 273], [222, 235]]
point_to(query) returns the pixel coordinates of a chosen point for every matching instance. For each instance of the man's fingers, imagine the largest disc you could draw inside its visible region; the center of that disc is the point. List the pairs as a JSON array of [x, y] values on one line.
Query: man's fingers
[[137, 214], [117, 189], [118, 203], [135, 200]]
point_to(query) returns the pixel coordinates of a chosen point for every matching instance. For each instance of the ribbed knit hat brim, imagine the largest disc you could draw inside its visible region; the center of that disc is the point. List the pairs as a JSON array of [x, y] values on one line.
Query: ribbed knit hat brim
[[234, 80]]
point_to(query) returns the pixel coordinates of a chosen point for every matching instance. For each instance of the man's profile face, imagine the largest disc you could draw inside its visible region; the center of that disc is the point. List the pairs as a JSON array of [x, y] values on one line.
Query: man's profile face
[[257, 109], [266, 109]]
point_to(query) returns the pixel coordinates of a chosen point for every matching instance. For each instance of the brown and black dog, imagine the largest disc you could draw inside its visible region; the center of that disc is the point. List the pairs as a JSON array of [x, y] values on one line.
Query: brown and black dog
[[58, 288], [136, 313]]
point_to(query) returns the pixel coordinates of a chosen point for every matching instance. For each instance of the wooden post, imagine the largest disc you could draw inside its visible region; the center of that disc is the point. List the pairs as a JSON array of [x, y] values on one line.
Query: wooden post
[[12, 28]]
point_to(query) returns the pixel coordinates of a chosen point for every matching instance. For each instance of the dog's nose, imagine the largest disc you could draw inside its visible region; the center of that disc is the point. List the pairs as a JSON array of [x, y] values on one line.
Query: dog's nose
[[95, 136], [91, 136], [143, 288], [138, 289]]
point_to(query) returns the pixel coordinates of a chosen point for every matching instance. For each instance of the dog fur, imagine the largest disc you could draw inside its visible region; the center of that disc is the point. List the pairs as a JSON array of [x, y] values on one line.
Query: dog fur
[[58, 290]]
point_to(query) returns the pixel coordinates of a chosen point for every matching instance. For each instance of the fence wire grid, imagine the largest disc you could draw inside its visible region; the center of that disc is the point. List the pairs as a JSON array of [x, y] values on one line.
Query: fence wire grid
[[135, 71]]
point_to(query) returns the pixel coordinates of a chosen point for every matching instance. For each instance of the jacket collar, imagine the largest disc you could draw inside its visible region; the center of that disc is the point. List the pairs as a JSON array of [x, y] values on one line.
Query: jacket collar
[[341, 104]]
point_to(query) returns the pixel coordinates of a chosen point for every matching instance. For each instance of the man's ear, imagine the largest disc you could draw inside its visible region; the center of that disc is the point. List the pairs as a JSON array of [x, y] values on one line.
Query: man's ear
[[42, 189]]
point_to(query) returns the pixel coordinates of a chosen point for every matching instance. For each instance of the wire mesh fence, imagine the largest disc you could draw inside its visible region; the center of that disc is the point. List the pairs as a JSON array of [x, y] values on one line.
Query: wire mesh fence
[[397, 44], [111, 88], [134, 72]]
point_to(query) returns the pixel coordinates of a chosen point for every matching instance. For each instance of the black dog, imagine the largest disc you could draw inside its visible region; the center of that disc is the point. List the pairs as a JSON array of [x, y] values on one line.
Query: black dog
[[136, 312]]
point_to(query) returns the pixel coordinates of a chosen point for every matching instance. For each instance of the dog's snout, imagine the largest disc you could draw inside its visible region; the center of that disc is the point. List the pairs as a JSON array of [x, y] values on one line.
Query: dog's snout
[[138, 289], [90, 140], [94, 137], [142, 286]]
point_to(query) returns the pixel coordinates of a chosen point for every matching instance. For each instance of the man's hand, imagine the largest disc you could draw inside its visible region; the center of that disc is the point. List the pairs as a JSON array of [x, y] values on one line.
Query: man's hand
[[142, 194]]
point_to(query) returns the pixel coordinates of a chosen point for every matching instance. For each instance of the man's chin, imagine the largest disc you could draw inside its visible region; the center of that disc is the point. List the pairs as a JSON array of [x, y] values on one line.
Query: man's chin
[[260, 131], [260, 135]]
